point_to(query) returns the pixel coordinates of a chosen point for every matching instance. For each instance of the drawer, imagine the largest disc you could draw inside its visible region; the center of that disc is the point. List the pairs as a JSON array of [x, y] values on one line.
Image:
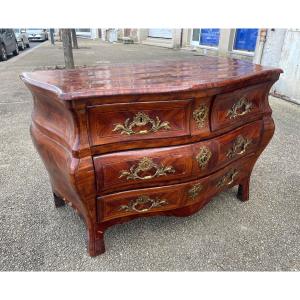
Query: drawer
[[140, 168], [139, 202], [138, 121], [161, 199], [238, 107], [239, 142], [159, 166]]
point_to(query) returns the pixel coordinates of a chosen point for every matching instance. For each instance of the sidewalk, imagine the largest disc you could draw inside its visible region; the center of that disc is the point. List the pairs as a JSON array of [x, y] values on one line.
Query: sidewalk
[[260, 235]]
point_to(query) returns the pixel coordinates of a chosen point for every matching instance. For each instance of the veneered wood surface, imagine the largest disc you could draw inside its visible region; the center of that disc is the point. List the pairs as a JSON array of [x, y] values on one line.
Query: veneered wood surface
[[176, 196], [104, 118], [223, 103], [73, 136], [183, 160], [196, 73]]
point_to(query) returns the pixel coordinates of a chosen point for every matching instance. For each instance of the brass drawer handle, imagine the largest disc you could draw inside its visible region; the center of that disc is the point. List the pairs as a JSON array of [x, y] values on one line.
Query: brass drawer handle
[[203, 157], [194, 191], [200, 114], [141, 119], [228, 178], [146, 164], [240, 108], [239, 147], [142, 201]]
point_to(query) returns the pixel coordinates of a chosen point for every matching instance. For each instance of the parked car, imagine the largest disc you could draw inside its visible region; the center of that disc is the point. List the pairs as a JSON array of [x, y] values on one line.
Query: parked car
[[22, 38], [8, 43], [37, 34]]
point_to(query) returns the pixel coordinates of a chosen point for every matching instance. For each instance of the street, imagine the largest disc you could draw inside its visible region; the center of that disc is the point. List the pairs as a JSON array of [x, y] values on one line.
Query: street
[[33, 45], [21, 53]]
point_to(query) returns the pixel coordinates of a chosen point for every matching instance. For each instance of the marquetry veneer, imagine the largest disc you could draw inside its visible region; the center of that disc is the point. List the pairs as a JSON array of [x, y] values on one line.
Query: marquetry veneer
[[160, 138]]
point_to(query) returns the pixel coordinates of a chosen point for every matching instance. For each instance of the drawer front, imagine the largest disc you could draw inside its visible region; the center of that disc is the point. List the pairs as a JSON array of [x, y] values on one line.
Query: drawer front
[[139, 202], [160, 166], [239, 142], [160, 199], [238, 107], [138, 121], [140, 168]]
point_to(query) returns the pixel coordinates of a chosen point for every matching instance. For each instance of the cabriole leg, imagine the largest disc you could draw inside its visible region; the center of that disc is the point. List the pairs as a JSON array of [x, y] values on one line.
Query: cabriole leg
[[243, 190], [58, 202], [96, 244]]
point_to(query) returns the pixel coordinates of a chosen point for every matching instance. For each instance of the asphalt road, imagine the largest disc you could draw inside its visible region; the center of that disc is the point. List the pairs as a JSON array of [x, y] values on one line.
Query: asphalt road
[[33, 44]]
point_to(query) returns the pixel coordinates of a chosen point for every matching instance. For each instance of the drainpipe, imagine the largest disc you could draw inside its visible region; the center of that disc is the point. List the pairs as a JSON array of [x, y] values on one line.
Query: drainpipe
[[181, 37], [261, 44]]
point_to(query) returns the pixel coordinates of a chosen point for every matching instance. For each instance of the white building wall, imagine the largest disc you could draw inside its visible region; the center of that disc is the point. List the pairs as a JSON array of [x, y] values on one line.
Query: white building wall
[[282, 49]]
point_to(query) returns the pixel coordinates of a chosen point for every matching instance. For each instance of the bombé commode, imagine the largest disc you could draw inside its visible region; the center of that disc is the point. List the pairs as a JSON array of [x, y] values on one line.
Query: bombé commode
[[123, 141]]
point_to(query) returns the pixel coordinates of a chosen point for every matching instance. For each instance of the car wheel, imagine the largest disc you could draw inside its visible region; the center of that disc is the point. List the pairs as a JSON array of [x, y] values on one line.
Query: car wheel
[[16, 52], [3, 54]]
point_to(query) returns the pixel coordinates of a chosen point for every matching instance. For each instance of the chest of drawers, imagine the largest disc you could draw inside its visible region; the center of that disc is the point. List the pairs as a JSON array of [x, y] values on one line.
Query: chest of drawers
[[161, 138]]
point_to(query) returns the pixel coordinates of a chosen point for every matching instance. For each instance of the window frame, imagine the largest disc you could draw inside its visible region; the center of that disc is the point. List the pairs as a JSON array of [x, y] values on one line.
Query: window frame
[[243, 52], [194, 43]]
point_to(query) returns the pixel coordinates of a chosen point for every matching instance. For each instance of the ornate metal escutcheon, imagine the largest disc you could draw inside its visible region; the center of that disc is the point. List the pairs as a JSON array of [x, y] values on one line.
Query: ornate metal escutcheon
[[203, 157], [239, 147], [228, 178], [240, 108], [200, 114], [139, 204], [194, 191], [144, 165], [141, 119]]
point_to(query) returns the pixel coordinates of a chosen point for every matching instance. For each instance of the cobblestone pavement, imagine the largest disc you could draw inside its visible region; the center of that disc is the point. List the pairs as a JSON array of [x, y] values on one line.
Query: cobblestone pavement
[[260, 235]]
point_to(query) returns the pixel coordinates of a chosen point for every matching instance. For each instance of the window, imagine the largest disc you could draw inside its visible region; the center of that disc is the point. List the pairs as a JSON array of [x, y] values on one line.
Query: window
[[83, 30], [195, 36], [245, 39], [210, 37], [206, 37], [160, 33]]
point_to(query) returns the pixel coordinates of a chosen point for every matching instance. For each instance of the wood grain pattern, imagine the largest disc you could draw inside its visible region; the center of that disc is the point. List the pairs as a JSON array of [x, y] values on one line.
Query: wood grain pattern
[[224, 103], [183, 160], [76, 111], [153, 77], [176, 196], [104, 118]]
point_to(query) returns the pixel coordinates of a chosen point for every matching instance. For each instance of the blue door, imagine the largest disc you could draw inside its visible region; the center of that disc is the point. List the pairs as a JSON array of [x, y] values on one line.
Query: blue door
[[245, 39]]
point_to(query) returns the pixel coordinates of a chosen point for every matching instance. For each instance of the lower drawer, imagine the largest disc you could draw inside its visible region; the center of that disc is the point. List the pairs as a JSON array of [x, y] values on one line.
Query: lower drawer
[[159, 199]]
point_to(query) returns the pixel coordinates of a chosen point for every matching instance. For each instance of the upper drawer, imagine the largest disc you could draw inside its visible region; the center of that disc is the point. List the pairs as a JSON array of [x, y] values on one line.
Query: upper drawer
[[138, 121], [238, 107]]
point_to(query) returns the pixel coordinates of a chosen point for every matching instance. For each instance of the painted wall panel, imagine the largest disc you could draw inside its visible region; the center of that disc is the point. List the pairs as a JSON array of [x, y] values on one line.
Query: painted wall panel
[[282, 49], [289, 83]]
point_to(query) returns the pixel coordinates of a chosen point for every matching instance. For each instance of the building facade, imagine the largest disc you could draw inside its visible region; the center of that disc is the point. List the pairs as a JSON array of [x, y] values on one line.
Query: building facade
[[237, 43], [269, 47]]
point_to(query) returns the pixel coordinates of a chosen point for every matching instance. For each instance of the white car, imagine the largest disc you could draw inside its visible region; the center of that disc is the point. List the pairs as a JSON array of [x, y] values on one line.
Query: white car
[[37, 34], [22, 38]]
